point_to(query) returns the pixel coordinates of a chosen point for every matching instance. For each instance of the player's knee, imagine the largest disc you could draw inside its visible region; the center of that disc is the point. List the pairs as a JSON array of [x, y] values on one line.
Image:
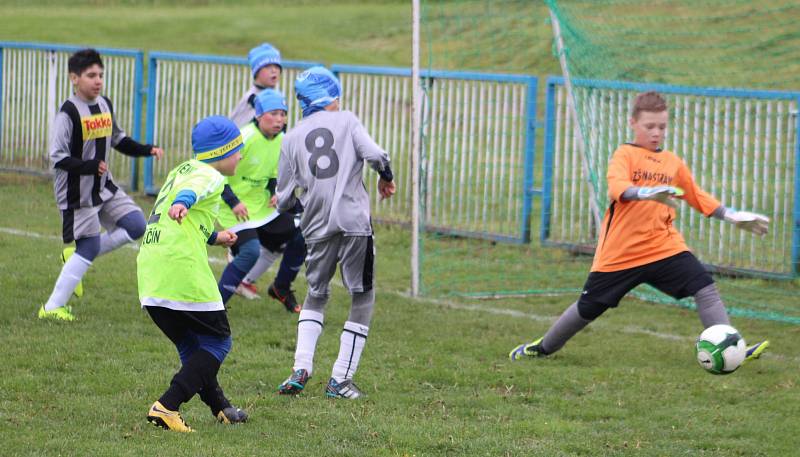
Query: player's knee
[[134, 224], [247, 255], [219, 347], [88, 248], [591, 311]]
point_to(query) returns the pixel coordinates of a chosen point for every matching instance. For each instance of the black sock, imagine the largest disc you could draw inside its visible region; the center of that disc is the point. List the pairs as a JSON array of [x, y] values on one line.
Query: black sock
[[198, 371]]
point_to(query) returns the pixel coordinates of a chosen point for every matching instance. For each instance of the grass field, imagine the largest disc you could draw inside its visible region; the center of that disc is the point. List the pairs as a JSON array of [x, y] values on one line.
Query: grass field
[[436, 373]]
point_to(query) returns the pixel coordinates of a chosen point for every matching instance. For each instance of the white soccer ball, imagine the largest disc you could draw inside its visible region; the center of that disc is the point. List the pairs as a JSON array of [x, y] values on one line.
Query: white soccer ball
[[720, 349]]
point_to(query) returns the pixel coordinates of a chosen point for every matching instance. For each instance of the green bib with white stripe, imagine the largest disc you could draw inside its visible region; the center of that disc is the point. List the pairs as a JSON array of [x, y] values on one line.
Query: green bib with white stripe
[[259, 164], [173, 259]]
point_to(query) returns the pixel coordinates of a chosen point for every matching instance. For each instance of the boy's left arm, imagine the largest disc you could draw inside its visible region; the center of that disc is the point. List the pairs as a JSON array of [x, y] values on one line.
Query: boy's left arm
[[130, 147], [696, 197], [377, 158], [711, 207]]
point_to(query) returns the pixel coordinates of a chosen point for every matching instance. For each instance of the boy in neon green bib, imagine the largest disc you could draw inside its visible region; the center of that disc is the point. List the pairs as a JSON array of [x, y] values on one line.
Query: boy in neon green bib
[[263, 232], [176, 284]]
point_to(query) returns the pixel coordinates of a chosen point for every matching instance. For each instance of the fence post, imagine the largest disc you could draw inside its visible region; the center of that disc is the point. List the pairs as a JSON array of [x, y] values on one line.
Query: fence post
[[547, 172], [138, 81], [2, 50], [530, 157], [796, 215], [152, 69]]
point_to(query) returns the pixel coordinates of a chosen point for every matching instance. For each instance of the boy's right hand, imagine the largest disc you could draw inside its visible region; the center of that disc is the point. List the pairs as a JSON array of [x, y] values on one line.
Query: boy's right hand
[[226, 238], [102, 168], [661, 194], [177, 212], [240, 211]]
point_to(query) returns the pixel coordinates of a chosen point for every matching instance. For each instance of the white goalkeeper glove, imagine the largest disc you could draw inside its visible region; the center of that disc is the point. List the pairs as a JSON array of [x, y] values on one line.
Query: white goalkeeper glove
[[661, 194], [745, 220]]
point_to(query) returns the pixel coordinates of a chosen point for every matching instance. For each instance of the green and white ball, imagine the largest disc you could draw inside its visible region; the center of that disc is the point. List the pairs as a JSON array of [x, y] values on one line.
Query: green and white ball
[[720, 349]]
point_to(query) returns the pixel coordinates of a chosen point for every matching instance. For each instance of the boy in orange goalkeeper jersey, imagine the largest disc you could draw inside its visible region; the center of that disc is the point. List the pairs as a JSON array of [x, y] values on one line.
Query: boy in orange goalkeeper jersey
[[638, 243]]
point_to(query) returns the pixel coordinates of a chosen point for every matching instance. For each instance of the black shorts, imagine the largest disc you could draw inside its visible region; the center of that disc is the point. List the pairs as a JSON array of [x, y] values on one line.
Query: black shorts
[[272, 235], [176, 324], [679, 276]]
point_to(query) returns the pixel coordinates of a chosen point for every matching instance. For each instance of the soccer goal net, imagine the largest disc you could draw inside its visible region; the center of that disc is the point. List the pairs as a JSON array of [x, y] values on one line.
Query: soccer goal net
[[729, 73]]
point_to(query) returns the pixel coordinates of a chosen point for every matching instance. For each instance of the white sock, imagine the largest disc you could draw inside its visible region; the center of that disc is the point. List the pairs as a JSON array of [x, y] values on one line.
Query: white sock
[[309, 328], [265, 260], [71, 274], [113, 239], [351, 343]]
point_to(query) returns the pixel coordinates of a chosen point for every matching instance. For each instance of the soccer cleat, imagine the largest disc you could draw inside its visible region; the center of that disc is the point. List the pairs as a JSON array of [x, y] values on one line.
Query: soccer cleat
[[295, 384], [285, 296], [754, 351], [527, 350], [247, 290], [65, 255], [232, 415], [166, 419], [63, 313], [345, 389]]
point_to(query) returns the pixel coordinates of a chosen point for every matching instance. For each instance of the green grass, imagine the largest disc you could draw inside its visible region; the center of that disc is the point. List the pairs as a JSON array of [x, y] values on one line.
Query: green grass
[[435, 372]]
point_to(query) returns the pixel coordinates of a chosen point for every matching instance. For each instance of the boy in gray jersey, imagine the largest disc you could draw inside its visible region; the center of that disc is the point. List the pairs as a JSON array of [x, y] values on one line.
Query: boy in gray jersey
[[265, 64], [83, 131], [323, 156]]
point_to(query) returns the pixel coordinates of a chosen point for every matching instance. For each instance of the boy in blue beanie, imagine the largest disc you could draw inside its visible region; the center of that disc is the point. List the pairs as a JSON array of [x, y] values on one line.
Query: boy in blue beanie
[[265, 65], [176, 284], [263, 233], [324, 157]]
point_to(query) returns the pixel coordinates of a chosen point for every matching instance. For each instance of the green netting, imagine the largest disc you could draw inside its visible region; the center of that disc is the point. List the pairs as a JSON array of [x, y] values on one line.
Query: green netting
[[740, 149]]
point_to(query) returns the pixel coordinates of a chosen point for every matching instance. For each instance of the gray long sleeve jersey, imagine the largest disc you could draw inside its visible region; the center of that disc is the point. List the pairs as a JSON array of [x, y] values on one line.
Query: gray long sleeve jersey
[[81, 136], [324, 157]]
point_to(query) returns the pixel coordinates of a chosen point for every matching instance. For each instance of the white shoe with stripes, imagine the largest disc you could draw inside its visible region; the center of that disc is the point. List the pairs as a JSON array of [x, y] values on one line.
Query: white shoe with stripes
[[345, 389]]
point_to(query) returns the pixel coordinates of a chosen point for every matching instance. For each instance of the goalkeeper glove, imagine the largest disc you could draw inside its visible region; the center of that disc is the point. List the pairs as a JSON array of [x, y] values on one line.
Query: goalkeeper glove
[[745, 220], [661, 194]]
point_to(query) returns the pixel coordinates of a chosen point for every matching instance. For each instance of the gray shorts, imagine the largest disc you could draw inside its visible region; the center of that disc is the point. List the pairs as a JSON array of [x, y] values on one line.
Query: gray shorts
[[355, 254], [86, 222]]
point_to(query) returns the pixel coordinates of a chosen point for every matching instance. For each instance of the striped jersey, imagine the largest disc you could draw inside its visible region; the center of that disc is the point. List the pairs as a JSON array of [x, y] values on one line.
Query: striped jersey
[[81, 136], [324, 157]]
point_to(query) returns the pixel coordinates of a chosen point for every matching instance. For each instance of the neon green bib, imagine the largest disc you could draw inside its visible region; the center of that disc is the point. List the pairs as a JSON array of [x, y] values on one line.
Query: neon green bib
[[259, 164], [173, 259]]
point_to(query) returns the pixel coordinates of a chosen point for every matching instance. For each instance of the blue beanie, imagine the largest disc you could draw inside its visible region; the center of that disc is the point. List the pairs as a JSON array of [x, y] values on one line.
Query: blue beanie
[[316, 88], [269, 100], [215, 138], [263, 55]]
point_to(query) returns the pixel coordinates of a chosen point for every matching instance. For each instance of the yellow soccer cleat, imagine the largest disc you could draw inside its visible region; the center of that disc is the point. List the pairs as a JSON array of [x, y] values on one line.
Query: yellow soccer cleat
[[63, 313], [65, 255], [166, 419], [754, 351]]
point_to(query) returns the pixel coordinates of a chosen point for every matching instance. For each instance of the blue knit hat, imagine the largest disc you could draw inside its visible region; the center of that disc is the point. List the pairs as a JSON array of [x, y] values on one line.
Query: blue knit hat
[[316, 88], [263, 55], [215, 138], [269, 100]]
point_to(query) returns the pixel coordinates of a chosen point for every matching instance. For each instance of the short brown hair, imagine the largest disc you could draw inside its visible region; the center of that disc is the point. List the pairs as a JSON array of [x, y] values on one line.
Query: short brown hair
[[648, 101]]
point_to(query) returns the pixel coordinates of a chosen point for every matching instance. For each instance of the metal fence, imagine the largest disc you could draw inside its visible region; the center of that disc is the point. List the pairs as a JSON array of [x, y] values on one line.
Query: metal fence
[[184, 88], [34, 83], [742, 147], [478, 148]]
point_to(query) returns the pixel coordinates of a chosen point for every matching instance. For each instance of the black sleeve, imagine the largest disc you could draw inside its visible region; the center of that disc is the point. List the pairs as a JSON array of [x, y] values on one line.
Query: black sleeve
[[212, 239], [386, 174], [271, 185], [133, 148], [82, 167], [229, 197]]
